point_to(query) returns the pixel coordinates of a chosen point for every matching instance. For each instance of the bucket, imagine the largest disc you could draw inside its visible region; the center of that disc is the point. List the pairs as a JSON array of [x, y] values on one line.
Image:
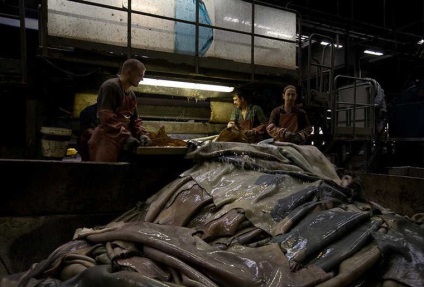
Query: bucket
[[54, 142]]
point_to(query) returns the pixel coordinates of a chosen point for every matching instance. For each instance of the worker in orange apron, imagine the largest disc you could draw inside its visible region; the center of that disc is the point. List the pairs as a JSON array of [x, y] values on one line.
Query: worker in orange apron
[[119, 130]]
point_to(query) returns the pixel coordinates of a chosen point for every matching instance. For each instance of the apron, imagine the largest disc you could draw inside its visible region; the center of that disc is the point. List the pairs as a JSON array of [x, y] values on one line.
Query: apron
[[113, 130], [289, 121]]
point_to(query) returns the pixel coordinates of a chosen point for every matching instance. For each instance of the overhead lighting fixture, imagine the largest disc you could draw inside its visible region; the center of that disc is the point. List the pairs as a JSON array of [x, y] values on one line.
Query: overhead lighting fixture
[[420, 42], [186, 85], [302, 37], [373, 53], [335, 45]]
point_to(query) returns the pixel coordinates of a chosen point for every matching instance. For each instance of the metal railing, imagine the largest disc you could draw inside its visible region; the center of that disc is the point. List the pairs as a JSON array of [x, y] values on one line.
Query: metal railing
[[323, 68], [196, 23], [353, 109]]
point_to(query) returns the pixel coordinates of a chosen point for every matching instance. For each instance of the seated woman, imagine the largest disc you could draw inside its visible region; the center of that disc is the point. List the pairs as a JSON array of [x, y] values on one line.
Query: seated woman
[[288, 123]]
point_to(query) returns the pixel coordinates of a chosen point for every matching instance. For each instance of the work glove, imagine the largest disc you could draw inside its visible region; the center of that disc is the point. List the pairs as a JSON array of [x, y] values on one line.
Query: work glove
[[193, 144], [145, 140], [288, 136], [297, 139], [270, 126], [231, 124], [249, 133], [130, 144]]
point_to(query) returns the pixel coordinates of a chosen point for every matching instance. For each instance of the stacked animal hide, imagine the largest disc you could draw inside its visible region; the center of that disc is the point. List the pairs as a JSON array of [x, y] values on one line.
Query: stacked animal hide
[[243, 215]]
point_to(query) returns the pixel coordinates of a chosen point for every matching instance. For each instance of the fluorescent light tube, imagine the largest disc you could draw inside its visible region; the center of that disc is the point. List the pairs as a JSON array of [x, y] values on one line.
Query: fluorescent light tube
[[373, 53], [186, 85], [335, 45]]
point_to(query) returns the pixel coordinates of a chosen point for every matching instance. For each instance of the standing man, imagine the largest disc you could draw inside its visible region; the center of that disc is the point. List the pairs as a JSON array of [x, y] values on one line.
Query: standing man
[[247, 118], [119, 130], [288, 123]]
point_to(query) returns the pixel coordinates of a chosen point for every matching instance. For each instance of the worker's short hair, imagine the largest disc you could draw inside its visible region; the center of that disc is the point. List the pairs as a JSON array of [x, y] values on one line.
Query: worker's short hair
[[289, 87], [131, 64], [244, 93]]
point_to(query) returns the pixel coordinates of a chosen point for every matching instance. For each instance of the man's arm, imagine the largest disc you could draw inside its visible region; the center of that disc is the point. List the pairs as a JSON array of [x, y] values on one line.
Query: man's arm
[[260, 115], [136, 126], [108, 99], [260, 120], [304, 126], [233, 119]]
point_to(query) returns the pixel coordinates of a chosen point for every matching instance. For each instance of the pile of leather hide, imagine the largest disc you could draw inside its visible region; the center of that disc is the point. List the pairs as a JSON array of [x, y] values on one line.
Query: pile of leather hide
[[243, 215], [160, 138]]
